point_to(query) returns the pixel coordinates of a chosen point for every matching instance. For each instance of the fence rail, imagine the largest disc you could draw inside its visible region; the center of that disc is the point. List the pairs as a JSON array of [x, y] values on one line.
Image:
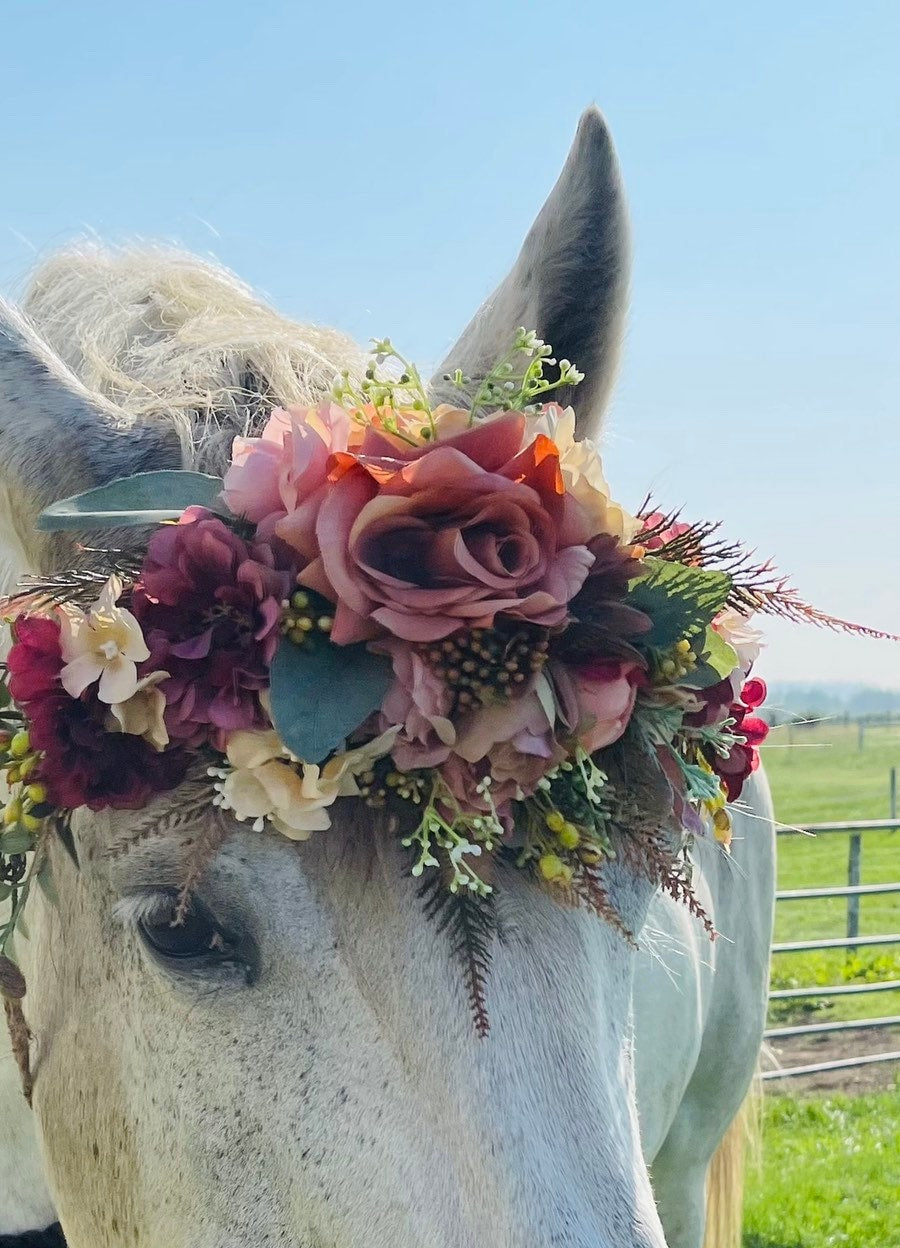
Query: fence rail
[[852, 891]]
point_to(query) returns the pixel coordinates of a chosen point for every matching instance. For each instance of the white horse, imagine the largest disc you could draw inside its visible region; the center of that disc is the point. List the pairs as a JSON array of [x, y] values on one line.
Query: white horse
[[320, 1084]]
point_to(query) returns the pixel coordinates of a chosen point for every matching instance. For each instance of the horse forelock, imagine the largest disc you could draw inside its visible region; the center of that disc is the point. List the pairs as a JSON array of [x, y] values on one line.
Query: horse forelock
[[162, 333]]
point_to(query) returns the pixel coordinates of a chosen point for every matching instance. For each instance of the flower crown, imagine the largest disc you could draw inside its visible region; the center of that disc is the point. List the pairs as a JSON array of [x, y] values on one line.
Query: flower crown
[[438, 611]]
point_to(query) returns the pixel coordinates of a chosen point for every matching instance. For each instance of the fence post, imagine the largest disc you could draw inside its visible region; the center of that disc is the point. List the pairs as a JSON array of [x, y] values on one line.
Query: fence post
[[861, 734], [893, 792], [853, 864]]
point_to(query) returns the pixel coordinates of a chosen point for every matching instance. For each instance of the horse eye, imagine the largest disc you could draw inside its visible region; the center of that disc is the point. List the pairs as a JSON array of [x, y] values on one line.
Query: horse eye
[[192, 936]]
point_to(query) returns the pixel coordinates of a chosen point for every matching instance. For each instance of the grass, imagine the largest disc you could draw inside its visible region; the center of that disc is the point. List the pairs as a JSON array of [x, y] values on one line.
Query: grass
[[819, 774], [830, 1174], [831, 1165]]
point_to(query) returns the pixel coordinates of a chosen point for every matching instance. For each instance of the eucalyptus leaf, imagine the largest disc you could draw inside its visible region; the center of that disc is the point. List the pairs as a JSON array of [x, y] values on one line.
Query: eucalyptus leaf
[[321, 693], [17, 841], [146, 498], [680, 600]]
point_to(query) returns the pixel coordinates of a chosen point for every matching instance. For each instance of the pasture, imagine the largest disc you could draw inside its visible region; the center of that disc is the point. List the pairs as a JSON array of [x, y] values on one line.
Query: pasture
[[818, 775], [829, 1172]]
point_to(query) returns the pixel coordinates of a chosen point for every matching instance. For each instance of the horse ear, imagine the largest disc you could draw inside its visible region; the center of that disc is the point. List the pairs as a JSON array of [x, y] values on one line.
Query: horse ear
[[57, 439], [570, 282]]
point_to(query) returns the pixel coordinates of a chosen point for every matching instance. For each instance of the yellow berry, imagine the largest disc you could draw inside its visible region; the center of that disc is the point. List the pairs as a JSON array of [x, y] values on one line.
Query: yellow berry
[[569, 836], [31, 822], [305, 624], [722, 827], [12, 812], [555, 821], [20, 744], [325, 623], [551, 866], [13, 774], [300, 599], [591, 857], [27, 766], [37, 793], [683, 646]]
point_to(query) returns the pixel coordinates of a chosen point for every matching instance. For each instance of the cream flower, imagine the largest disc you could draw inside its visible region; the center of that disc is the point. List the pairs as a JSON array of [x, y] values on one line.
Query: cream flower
[[104, 645], [143, 713], [735, 629], [265, 784], [582, 470]]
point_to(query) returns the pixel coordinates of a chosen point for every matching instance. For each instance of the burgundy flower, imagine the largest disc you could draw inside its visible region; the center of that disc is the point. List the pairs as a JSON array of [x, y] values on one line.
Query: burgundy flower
[[743, 759], [209, 604], [84, 764], [602, 624]]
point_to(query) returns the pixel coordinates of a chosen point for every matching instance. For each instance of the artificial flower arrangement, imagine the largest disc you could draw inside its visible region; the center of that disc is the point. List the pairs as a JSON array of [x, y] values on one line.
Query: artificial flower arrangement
[[437, 611]]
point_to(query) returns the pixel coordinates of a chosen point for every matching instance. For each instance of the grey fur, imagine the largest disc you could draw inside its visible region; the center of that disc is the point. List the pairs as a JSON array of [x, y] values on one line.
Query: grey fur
[[56, 438], [570, 282]]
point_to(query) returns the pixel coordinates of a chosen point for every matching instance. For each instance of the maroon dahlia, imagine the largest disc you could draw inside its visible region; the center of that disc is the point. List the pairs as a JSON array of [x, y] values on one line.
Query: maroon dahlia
[[84, 764], [209, 605]]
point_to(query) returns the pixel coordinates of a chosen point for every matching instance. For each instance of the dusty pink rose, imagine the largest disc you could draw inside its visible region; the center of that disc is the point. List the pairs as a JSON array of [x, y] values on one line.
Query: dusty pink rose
[[448, 538], [420, 702], [280, 476], [518, 738], [606, 692]]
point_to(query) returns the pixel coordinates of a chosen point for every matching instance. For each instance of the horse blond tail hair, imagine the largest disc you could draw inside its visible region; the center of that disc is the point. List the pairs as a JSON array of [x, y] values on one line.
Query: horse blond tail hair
[[741, 1145]]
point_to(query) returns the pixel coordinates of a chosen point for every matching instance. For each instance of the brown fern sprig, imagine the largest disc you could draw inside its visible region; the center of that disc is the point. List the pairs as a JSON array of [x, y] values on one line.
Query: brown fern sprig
[[590, 891], [776, 596], [195, 803], [470, 923], [201, 851], [651, 856], [757, 586], [76, 585]]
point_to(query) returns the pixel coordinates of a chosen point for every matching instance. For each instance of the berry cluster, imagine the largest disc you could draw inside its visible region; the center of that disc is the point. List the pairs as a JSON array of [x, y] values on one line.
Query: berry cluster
[[486, 665]]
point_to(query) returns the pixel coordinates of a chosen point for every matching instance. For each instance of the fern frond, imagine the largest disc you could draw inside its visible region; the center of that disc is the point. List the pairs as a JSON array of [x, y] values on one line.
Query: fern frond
[[201, 851], [470, 923]]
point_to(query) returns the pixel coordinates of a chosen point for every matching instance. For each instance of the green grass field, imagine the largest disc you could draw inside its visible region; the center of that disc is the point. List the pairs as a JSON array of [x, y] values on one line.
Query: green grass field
[[818, 775], [830, 1173]]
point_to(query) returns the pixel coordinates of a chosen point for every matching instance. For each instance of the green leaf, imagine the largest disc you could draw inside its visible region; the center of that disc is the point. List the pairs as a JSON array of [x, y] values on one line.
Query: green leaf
[[147, 498], [680, 600], [322, 692], [717, 660], [17, 841]]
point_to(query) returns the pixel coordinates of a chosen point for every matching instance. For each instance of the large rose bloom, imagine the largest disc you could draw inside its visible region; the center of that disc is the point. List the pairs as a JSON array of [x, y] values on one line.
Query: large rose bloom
[[446, 538]]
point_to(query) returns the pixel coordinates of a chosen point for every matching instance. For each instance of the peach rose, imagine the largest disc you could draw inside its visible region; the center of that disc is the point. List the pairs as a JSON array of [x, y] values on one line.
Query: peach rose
[[446, 538]]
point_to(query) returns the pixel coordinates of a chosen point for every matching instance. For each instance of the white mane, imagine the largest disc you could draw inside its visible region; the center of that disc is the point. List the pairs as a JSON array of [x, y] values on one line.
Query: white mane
[[157, 331]]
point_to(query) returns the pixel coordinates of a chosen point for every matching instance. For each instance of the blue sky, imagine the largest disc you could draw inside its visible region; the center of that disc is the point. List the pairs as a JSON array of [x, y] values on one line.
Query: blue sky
[[376, 167]]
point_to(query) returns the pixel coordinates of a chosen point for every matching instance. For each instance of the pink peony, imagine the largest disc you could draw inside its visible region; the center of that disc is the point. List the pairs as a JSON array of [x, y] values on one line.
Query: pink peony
[[420, 702], [447, 538], [606, 692], [209, 605], [283, 472]]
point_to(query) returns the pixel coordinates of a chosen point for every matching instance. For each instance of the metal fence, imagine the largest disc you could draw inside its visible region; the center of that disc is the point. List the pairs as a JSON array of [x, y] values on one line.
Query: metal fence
[[853, 891]]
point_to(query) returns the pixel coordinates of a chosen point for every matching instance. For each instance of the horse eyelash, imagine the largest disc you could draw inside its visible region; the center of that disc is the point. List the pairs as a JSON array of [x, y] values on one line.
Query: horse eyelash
[[145, 907]]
